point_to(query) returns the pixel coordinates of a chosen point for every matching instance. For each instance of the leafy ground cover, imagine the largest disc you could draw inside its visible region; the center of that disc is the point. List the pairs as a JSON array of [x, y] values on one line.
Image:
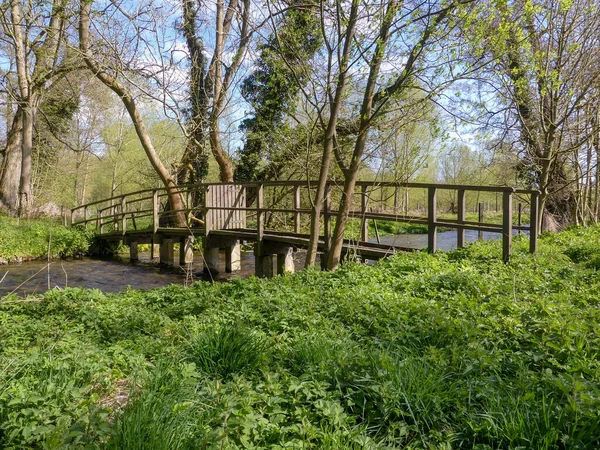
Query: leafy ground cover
[[26, 239], [453, 350]]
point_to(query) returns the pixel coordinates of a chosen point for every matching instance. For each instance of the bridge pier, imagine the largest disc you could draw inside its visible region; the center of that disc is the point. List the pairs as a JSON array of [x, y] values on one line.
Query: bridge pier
[[186, 251], [133, 252], [285, 262], [271, 260], [211, 259], [233, 257], [154, 251], [166, 252]]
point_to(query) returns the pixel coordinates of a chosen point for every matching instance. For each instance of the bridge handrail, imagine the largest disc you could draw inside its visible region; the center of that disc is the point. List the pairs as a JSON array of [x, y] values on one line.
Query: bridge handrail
[[116, 209]]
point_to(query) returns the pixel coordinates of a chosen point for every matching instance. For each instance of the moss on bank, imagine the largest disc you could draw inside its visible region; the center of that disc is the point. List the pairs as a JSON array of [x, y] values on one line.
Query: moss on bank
[[27, 239]]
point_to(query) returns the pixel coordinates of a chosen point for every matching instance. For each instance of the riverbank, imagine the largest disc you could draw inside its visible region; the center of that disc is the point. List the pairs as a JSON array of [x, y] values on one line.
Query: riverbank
[[30, 239], [453, 350]]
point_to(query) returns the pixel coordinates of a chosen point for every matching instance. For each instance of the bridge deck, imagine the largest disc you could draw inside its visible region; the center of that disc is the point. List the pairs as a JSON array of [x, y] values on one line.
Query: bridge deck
[[365, 249]]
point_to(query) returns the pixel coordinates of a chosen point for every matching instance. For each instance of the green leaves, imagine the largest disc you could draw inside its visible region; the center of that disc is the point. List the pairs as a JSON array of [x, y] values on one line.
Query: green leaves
[[452, 350]]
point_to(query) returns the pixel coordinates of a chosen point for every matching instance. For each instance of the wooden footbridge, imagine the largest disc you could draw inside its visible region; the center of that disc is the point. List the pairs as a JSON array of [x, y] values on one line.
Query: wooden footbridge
[[274, 216]]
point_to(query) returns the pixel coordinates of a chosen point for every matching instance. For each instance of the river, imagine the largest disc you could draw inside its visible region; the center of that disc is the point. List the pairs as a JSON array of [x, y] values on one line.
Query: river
[[115, 275]]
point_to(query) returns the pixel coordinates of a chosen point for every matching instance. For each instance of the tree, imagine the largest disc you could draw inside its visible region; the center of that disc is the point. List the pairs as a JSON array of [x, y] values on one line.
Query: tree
[[273, 97], [545, 60], [431, 22], [129, 101], [211, 80], [36, 39]]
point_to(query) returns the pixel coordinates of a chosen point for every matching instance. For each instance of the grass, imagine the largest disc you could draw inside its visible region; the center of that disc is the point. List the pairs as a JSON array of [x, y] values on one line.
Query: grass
[[26, 239], [452, 350]]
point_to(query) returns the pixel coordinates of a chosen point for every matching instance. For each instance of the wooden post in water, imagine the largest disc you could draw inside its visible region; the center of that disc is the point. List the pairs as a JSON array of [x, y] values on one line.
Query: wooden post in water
[[133, 252], [186, 251], [460, 232], [534, 222], [431, 219], [507, 227], [364, 223]]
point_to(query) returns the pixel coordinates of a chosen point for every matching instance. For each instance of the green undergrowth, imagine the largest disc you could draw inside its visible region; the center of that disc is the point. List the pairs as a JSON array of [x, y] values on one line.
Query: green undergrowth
[[25, 239], [452, 350]]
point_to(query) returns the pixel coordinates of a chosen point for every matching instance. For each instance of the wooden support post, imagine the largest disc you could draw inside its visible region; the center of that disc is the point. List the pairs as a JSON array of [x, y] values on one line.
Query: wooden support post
[[133, 252], [166, 252], [123, 215], [285, 262], [260, 220], [431, 219], [206, 211], [480, 210], [101, 222], [460, 232], [519, 217], [296, 208], [266, 264], [534, 222], [186, 251], [211, 260], [364, 223], [507, 227], [154, 212], [233, 258], [155, 249]]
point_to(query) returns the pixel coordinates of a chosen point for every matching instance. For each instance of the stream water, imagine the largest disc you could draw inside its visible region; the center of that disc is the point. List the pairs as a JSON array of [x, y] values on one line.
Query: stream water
[[115, 275]]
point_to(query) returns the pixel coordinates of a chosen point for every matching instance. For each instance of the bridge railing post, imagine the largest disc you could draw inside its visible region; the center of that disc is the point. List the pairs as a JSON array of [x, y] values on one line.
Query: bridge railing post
[[364, 223], [460, 232], [260, 217], [431, 219], [296, 209], [123, 215], [206, 211], [506, 225]]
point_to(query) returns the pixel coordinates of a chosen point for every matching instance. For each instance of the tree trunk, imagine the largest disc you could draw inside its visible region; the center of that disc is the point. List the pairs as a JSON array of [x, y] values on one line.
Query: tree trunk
[[11, 166], [25, 197], [351, 175], [328, 140], [225, 165]]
